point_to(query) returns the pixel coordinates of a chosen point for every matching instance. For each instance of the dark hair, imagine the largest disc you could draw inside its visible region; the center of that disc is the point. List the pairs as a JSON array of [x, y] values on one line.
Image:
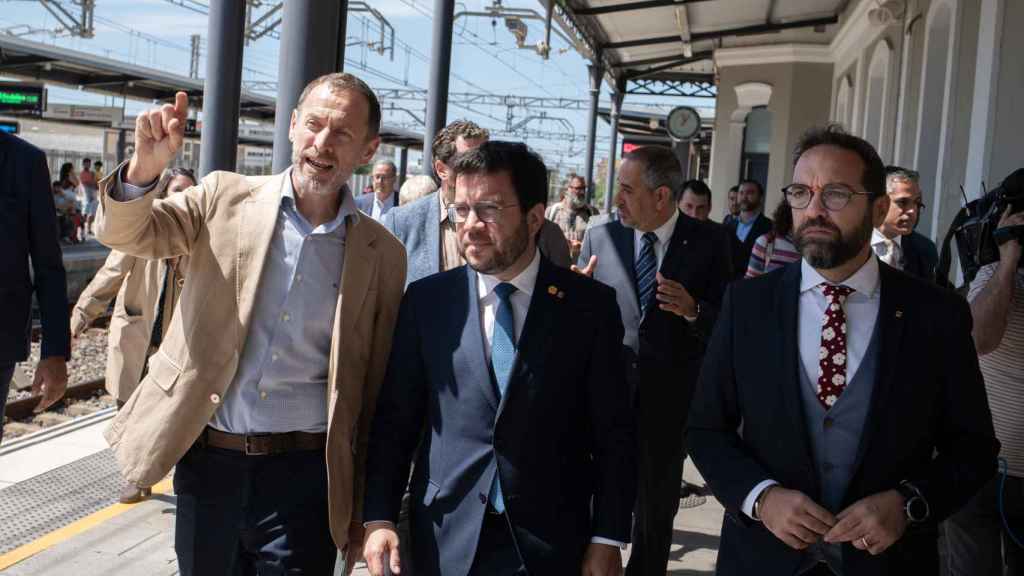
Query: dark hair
[[873, 178], [760, 188], [97, 163], [340, 82], [443, 146], [84, 160], [735, 188], [698, 187], [661, 168], [782, 219], [186, 172], [526, 169], [65, 171]]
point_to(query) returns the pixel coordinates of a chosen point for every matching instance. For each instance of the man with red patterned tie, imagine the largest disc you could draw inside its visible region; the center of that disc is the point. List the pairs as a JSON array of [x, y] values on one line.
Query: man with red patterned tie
[[841, 443]]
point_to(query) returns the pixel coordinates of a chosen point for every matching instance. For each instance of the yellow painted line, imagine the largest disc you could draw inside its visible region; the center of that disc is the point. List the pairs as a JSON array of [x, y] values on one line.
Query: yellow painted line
[[67, 532]]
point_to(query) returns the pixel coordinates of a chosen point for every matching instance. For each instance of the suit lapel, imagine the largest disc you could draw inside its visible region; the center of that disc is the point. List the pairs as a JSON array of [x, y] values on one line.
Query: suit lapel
[[469, 362], [359, 269], [255, 229], [535, 341], [787, 303], [625, 244], [890, 317], [432, 235], [676, 246]]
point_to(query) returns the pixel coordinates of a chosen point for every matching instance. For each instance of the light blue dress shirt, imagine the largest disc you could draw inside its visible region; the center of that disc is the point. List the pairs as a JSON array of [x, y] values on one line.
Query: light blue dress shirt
[[743, 228], [281, 381]]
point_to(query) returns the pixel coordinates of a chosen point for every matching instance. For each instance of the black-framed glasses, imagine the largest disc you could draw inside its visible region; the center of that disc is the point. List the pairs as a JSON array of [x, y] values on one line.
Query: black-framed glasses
[[834, 196], [488, 212]]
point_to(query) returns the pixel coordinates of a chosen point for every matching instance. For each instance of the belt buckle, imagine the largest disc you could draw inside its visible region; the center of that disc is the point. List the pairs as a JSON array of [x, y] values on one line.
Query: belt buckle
[[249, 450]]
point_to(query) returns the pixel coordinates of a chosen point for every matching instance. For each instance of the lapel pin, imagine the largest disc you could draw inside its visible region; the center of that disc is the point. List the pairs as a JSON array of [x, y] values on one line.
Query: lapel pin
[[552, 290], [899, 313], [561, 294]]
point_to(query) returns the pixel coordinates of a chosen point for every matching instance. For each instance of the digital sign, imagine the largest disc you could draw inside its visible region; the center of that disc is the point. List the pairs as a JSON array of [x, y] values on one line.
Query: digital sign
[[22, 98], [9, 127]]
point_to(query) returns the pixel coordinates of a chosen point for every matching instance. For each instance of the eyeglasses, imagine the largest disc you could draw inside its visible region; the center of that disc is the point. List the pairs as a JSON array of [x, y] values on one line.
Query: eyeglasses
[[906, 204], [834, 196], [488, 212]]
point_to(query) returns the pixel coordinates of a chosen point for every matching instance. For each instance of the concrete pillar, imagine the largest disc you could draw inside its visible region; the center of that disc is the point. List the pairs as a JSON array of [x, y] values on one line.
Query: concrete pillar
[[223, 86], [440, 66], [616, 112], [596, 72], [310, 47]]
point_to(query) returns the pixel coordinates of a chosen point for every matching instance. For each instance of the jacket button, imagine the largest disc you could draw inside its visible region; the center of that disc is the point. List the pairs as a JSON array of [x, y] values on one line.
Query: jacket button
[[215, 398], [829, 422], [483, 498], [181, 282]]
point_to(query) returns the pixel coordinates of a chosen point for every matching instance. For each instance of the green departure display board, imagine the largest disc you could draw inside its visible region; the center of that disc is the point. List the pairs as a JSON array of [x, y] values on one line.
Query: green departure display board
[[23, 98]]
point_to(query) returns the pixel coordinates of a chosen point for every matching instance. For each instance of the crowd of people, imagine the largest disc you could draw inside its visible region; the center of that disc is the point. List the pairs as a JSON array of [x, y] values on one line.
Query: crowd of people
[[451, 376], [75, 199]]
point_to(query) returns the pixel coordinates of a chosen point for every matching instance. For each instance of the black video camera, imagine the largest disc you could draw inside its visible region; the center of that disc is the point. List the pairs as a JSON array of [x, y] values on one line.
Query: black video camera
[[977, 231]]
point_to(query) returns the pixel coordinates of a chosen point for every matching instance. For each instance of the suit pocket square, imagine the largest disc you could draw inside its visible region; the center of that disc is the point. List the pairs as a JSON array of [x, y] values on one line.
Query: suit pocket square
[[430, 493]]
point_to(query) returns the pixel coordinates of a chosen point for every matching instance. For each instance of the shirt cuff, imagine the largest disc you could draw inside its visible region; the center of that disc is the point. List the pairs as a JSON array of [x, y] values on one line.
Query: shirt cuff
[[608, 541], [379, 524], [129, 192], [748, 502]]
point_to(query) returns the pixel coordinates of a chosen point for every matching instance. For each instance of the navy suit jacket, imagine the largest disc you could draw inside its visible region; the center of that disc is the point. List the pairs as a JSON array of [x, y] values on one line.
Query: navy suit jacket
[[664, 351], [928, 420], [28, 219], [365, 202], [919, 256], [559, 439]]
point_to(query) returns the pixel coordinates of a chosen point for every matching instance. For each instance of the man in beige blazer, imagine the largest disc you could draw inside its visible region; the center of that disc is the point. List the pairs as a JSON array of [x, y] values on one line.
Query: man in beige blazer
[[261, 394], [144, 294]]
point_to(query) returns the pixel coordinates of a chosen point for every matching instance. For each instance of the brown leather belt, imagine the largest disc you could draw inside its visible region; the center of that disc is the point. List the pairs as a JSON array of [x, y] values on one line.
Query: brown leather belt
[[263, 444]]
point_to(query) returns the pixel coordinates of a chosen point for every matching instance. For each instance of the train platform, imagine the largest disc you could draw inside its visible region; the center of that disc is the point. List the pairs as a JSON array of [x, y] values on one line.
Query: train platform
[[59, 514]]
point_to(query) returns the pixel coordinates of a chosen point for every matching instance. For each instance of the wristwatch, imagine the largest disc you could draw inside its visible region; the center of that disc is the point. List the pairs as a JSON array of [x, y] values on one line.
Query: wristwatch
[[915, 506]]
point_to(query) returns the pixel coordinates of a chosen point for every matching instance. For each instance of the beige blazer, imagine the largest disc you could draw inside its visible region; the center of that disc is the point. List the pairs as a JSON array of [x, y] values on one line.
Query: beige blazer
[[135, 285], [225, 225]]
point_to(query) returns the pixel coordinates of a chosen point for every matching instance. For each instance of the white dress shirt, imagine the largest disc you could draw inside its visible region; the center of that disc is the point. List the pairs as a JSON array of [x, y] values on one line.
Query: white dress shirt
[[889, 250], [664, 234], [861, 315], [380, 208]]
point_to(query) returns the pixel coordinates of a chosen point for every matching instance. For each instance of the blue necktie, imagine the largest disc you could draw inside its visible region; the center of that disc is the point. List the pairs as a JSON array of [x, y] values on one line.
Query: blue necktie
[[646, 271], [503, 356]]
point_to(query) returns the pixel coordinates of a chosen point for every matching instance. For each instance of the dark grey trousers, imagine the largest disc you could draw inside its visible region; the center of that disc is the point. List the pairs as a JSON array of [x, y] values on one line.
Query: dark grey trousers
[[976, 542]]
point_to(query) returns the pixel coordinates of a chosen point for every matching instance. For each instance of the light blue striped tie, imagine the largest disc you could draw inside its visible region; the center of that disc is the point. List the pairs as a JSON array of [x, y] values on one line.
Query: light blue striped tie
[[503, 356], [646, 271]]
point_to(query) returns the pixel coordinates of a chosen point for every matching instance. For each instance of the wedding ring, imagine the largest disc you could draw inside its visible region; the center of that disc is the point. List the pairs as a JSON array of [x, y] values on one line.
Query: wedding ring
[[864, 541]]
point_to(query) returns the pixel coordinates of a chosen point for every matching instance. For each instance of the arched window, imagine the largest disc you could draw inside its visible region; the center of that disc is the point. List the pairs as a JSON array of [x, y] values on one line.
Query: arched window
[[843, 108], [757, 143], [876, 99]]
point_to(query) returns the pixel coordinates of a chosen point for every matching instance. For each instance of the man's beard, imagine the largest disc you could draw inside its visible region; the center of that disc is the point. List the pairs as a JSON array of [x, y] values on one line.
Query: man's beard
[[748, 205], [832, 253], [313, 185], [503, 259], [577, 203]]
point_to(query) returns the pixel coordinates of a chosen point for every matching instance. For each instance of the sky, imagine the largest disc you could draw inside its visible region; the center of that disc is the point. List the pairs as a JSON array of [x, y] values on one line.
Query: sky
[[485, 59]]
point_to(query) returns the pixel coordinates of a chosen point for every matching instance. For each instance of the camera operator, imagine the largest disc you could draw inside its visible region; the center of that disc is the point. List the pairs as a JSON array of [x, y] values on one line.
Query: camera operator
[[977, 540]]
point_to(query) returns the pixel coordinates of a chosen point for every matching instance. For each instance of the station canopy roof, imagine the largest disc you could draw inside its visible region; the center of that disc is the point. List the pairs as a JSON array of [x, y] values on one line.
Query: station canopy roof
[[25, 59], [645, 41]]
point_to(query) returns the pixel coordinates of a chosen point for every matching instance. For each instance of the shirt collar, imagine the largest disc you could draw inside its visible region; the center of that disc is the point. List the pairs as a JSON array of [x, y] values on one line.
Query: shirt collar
[[864, 281], [663, 232], [878, 238], [524, 282], [346, 210], [387, 201]]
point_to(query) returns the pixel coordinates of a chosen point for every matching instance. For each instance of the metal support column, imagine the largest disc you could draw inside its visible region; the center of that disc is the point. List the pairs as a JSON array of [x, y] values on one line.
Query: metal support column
[[596, 72], [403, 165], [440, 65], [616, 112], [309, 48], [223, 86]]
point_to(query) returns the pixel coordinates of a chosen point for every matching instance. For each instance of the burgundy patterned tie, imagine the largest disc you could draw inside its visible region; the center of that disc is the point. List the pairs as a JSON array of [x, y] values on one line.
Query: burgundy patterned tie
[[832, 354]]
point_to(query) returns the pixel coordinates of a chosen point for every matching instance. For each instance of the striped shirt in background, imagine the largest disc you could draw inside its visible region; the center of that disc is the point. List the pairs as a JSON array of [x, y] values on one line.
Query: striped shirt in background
[[1003, 370], [778, 251]]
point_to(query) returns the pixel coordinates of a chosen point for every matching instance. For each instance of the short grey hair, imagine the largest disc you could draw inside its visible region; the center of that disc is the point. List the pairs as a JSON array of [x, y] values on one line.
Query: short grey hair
[[386, 162], [415, 188], [894, 174], [661, 168]]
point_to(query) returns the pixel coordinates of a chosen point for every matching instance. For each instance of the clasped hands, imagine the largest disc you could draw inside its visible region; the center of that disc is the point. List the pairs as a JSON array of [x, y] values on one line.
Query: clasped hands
[[872, 524]]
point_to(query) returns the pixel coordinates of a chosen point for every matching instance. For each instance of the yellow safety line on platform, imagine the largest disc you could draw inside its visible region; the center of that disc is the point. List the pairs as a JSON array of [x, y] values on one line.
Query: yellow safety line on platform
[[75, 528]]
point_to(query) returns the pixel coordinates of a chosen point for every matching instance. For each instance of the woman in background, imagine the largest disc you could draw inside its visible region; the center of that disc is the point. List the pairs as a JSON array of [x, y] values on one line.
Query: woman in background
[[774, 249]]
